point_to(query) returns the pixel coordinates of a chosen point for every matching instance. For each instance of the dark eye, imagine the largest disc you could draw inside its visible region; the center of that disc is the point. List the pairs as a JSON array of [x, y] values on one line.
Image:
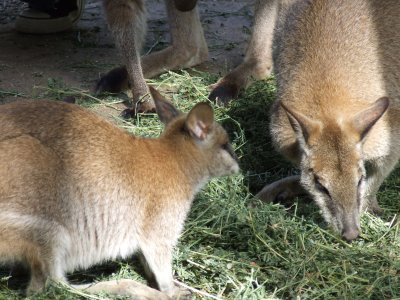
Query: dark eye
[[359, 191], [320, 187], [227, 147], [360, 181]]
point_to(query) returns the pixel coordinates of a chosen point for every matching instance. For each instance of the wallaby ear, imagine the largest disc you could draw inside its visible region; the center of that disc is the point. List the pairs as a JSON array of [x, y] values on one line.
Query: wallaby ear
[[200, 120], [365, 119], [302, 125], [166, 111]]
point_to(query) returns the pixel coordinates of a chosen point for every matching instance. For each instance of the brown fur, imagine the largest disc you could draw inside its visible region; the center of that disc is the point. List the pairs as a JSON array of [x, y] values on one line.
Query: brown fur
[[257, 63], [127, 22], [75, 190], [337, 67]]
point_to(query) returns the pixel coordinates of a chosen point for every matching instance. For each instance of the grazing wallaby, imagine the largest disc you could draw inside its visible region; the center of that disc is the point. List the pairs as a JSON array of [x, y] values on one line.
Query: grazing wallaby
[[337, 67], [76, 190], [127, 22]]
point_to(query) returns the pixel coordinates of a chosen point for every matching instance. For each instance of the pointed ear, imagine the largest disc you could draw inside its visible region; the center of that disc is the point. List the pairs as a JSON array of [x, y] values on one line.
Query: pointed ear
[[166, 110], [302, 125], [200, 120], [364, 120]]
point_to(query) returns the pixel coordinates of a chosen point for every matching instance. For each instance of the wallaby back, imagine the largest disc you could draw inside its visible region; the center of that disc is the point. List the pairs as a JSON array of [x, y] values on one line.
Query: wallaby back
[[76, 190], [337, 66]]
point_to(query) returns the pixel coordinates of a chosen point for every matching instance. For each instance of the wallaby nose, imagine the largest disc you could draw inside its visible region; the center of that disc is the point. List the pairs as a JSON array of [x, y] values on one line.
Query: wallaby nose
[[350, 234]]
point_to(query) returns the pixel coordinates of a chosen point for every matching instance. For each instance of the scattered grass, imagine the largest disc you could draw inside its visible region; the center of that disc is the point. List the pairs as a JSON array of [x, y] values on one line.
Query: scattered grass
[[232, 251], [4, 93]]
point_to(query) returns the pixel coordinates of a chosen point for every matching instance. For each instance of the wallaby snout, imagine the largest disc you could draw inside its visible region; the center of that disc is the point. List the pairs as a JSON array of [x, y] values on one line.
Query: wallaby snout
[[349, 225], [350, 233]]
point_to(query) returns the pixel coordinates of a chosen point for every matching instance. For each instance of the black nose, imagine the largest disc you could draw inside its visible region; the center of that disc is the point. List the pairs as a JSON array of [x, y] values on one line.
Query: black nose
[[350, 234]]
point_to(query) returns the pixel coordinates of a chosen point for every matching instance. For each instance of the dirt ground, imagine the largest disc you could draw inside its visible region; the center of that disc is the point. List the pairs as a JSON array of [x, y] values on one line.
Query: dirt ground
[[79, 56]]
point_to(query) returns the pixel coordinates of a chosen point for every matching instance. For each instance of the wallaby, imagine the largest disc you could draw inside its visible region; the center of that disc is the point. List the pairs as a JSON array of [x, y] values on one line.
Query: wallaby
[[127, 22], [337, 66], [257, 63], [76, 190]]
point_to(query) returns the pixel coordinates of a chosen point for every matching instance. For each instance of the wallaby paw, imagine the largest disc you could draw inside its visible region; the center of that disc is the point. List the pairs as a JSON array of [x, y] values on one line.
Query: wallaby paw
[[146, 107], [223, 92], [270, 194], [185, 5], [114, 81], [141, 106], [281, 191], [182, 293], [137, 292], [374, 208], [127, 113], [124, 287], [69, 99]]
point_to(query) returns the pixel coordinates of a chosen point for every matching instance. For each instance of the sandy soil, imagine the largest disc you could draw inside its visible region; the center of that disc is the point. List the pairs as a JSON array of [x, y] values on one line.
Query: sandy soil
[[79, 56]]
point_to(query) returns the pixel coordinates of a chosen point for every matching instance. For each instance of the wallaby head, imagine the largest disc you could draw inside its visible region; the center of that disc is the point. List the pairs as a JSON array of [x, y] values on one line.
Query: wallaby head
[[203, 135], [333, 169], [337, 68]]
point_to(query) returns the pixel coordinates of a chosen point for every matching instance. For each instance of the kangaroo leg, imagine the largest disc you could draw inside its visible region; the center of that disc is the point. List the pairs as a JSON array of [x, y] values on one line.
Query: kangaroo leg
[[124, 287], [188, 45], [376, 174], [185, 5], [127, 22], [18, 242], [282, 190], [157, 262], [258, 59], [188, 48]]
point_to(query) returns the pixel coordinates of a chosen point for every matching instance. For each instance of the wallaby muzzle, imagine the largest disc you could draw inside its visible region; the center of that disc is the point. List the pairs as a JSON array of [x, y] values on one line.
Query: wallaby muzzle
[[350, 229]]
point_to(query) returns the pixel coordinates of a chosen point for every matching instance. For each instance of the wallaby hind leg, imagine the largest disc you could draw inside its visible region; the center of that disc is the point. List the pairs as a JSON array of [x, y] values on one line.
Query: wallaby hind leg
[[19, 244], [282, 190], [127, 22], [188, 45], [188, 48], [258, 59], [376, 174], [127, 287], [124, 287], [39, 272]]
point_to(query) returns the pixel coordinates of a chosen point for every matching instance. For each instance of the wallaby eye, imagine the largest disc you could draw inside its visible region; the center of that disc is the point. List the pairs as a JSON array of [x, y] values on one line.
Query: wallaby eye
[[227, 147], [359, 191], [320, 187], [360, 181]]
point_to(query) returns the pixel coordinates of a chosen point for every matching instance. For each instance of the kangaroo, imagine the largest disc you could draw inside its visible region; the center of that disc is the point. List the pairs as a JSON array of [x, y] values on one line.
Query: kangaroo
[[127, 22], [75, 190], [337, 68]]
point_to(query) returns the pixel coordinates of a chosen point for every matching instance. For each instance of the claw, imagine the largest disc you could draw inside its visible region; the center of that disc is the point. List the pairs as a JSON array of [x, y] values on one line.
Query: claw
[[223, 93]]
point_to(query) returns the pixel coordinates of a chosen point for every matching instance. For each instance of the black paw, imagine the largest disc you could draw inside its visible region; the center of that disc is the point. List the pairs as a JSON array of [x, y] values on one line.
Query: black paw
[[185, 5], [224, 93], [70, 99], [114, 81], [128, 113]]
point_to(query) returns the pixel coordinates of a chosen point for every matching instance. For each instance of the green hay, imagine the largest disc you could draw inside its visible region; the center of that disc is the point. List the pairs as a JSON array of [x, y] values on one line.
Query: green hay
[[232, 251]]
